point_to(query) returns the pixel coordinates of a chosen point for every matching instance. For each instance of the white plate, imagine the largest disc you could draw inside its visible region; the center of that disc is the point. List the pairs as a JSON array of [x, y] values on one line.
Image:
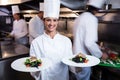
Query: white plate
[[92, 61], [20, 66]]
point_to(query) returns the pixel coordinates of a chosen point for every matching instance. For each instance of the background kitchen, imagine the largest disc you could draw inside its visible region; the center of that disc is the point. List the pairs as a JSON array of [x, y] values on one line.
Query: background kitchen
[[109, 21]]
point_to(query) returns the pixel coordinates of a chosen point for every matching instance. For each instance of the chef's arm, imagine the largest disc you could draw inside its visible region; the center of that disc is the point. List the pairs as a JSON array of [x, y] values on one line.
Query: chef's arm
[[32, 31], [91, 37], [34, 50], [69, 51], [12, 32], [93, 48]]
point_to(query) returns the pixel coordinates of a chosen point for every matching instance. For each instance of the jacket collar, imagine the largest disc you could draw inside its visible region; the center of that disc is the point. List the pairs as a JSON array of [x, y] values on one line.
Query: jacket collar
[[56, 36]]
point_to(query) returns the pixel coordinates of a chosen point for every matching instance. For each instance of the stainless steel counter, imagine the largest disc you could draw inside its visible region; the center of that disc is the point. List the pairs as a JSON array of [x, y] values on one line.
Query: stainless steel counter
[[10, 49]]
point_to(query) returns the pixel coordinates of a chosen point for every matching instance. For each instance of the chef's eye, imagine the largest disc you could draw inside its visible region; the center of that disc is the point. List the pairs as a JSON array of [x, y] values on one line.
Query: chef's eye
[[48, 20], [55, 20]]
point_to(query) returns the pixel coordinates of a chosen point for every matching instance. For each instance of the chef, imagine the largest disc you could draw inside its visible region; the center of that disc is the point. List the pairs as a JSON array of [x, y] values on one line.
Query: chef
[[52, 45], [36, 25], [86, 36], [19, 31]]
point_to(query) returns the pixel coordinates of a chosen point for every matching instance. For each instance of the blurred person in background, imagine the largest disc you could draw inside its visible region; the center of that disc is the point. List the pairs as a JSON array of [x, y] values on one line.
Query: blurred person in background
[[86, 35], [20, 30], [36, 25], [52, 45]]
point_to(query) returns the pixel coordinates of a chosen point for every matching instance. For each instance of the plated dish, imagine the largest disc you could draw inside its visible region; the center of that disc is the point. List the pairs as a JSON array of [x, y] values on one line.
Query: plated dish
[[92, 61], [19, 65], [33, 62], [80, 58]]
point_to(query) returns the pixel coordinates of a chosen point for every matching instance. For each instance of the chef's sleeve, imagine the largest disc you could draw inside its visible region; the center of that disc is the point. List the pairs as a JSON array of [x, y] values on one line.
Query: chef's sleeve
[[91, 37]]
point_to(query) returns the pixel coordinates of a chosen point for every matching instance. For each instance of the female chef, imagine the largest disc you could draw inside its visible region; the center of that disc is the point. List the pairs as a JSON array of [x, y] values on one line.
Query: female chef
[[86, 36], [19, 31], [52, 45]]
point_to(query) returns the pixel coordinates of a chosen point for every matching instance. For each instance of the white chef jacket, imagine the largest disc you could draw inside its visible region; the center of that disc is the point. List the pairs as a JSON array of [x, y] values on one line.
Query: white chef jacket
[[19, 29], [55, 50], [36, 28], [86, 35]]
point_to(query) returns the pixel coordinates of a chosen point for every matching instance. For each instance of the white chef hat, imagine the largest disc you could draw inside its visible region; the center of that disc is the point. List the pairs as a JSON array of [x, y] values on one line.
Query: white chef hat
[[15, 9], [41, 6], [51, 8], [96, 3]]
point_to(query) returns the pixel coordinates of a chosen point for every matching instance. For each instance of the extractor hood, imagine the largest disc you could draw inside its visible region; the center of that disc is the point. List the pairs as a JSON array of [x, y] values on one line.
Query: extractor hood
[[115, 4], [80, 4], [74, 4]]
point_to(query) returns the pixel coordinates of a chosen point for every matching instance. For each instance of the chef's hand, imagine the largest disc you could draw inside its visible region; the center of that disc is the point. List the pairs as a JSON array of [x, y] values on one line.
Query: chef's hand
[[104, 56], [9, 36]]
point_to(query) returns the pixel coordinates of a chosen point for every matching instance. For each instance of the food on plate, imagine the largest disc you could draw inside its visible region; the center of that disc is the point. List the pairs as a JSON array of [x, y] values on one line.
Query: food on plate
[[80, 58], [113, 55], [113, 58], [33, 62]]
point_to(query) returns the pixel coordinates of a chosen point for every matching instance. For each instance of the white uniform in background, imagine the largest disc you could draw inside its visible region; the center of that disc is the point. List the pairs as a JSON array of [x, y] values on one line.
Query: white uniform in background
[[19, 28], [36, 28], [86, 36], [54, 49], [36, 25]]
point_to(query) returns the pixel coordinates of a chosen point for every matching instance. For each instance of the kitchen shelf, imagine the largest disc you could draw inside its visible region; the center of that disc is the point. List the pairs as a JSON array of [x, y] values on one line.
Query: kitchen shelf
[[109, 11], [109, 22]]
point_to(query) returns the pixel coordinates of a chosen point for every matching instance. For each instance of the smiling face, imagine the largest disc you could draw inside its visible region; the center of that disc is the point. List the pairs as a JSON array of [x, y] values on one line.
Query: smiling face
[[16, 16], [50, 24]]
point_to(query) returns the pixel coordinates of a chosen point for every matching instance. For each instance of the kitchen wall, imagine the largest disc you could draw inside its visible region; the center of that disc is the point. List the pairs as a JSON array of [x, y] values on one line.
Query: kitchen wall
[[115, 3], [109, 25], [6, 23], [109, 32]]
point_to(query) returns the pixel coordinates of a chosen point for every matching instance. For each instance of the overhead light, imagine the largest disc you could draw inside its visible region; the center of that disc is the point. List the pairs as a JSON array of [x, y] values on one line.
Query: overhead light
[[29, 11], [7, 2], [65, 9]]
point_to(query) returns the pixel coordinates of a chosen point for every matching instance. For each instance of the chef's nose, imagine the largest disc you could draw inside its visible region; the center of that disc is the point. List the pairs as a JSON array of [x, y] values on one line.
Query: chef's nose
[[52, 23]]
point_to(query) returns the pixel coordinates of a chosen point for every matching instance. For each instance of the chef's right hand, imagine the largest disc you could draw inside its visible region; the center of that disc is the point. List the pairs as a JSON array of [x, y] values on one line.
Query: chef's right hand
[[104, 56]]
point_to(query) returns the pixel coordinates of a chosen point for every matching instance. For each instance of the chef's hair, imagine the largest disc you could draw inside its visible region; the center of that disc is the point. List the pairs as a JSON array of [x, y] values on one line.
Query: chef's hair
[[91, 8]]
